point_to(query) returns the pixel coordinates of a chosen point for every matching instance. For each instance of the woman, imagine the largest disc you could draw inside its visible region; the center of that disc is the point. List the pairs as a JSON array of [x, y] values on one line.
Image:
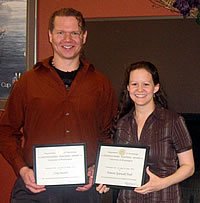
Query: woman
[[143, 119]]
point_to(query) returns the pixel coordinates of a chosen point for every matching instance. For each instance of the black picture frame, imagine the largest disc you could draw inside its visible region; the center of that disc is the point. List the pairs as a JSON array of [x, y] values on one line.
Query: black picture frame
[[117, 172], [60, 164]]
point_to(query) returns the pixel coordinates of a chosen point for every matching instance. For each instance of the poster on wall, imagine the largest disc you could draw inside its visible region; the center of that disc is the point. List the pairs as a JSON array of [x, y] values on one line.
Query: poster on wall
[[13, 43]]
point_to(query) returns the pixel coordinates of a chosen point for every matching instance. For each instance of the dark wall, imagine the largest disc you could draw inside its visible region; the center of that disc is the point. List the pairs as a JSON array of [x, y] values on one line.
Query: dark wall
[[193, 124], [173, 45]]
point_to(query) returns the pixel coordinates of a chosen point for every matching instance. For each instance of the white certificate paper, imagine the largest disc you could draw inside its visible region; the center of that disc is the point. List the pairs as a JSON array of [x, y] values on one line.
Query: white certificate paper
[[121, 165], [60, 164]]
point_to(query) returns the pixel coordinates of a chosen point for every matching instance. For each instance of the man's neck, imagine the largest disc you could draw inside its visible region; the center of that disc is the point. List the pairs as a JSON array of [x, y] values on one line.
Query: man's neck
[[65, 65]]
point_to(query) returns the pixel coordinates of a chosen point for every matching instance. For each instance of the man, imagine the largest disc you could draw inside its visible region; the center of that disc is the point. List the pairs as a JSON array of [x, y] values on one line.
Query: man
[[63, 99]]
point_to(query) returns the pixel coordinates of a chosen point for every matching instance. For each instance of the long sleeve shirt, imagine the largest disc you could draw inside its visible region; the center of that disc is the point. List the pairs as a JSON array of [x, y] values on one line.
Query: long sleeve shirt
[[48, 113]]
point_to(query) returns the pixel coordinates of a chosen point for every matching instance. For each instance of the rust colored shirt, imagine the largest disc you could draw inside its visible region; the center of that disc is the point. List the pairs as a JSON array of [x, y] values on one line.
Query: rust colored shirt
[[166, 134], [49, 113]]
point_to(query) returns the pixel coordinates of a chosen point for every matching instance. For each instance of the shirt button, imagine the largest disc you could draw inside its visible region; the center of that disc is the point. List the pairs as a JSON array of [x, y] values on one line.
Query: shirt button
[[67, 131], [67, 114]]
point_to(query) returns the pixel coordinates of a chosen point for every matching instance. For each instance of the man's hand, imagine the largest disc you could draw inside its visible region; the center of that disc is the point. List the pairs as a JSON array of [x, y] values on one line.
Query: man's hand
[[29, 180], [90, 175]]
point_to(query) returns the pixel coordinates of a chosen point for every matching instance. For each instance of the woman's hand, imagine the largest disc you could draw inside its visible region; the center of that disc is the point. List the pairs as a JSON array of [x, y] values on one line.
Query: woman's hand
[[186, 169], [102, 188], [154, 184]]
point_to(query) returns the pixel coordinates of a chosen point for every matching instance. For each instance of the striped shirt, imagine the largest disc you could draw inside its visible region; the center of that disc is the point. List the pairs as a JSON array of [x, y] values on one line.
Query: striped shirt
[[166, 134]]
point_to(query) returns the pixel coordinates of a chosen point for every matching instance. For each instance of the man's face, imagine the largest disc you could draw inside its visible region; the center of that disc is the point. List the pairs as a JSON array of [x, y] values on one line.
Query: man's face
[[67, 38]]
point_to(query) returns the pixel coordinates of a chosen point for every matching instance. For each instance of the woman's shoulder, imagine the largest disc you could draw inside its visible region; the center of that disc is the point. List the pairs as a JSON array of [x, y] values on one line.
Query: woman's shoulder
[[124, 119], [166, 114]]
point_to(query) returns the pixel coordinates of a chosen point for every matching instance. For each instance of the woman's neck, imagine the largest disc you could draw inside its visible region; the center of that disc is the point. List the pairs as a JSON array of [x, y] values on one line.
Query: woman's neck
[[143, 112]]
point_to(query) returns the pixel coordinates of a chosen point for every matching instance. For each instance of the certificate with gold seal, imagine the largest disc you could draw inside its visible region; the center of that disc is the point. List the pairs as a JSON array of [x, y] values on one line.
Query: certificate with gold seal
[[63, 164], [121, 165]]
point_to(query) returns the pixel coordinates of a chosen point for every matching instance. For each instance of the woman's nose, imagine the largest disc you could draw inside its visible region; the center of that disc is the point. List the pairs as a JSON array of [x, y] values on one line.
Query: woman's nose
[[140, 88]]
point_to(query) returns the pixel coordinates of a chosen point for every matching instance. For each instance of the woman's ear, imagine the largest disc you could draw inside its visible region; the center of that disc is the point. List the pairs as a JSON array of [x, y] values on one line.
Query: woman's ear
[[127, 87], [156, 88]]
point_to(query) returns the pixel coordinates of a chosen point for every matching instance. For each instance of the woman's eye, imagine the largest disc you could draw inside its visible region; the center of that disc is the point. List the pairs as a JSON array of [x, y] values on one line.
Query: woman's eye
[[134, 84]]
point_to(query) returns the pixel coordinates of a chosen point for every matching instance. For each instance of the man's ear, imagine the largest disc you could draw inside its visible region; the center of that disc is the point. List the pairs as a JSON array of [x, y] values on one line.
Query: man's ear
[[84, 37], [50, 36]]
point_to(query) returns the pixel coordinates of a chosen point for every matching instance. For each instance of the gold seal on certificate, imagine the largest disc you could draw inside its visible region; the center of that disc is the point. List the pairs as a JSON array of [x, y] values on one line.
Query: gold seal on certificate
[[121, 165], [63, 164]]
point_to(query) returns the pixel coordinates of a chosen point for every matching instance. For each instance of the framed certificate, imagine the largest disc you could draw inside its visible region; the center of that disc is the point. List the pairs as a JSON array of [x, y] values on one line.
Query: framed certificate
[[121, 165], [60, 164]]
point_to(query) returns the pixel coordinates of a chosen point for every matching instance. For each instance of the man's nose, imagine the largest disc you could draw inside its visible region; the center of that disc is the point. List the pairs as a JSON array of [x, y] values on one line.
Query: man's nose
[[67, 36]]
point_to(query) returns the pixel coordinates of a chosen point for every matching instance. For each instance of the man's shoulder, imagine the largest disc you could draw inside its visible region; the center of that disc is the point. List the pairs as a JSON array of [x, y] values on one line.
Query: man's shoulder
[[44, 64]]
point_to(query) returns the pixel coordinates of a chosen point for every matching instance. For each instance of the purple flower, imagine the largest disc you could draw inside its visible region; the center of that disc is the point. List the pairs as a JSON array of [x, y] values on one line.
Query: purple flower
[[183, 6], [198, 18], [194, 3]]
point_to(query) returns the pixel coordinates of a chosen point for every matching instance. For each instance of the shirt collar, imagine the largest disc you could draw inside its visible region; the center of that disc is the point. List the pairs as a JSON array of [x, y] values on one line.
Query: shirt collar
[[158, 113], [46, 63]]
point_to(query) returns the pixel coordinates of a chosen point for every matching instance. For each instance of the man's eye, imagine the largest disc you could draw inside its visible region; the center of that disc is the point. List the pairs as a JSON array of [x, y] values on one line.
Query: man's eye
[[75, 33], [60, 33]]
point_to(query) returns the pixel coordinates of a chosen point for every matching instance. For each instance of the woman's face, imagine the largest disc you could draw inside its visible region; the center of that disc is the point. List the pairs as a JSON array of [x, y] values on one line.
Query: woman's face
[[141, 87]]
